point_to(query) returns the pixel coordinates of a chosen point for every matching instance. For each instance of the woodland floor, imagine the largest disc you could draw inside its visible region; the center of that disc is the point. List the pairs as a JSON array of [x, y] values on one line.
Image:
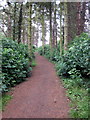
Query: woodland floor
[[41, 96]]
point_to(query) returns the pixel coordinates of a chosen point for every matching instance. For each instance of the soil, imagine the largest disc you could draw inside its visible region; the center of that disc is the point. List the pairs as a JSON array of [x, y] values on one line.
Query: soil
[[41, 96]]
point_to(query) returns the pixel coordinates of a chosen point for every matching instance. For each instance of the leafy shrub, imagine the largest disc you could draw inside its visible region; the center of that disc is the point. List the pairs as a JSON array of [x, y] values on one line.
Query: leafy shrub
[[15, 63], [77, 57], [40, 50], [78, 96], [76, 61], [61, 71], [46, 50], [55, 54]]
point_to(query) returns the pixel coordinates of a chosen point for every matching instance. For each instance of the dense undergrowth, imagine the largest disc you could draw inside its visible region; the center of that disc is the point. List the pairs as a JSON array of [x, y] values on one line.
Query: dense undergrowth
[[78, 95], [15, 63], [74, 67], [4, 100]]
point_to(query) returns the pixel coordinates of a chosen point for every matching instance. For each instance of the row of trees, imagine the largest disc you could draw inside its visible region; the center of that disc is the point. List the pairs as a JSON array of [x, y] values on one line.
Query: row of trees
[[29, 22]]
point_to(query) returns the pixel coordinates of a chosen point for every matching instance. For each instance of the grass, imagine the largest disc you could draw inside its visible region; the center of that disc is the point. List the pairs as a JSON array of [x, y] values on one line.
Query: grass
[[79, 99], [4, 100], [33, 63]]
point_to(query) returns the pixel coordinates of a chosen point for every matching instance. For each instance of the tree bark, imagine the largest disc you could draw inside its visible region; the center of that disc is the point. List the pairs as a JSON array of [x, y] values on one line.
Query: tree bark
[[20, 24], [14, 22], [50, 42], [81, 9], [65, 27], [54, 40], [9, 26], [43, 30], [89, 18], [61, 39], [29, 30], [72, 15]]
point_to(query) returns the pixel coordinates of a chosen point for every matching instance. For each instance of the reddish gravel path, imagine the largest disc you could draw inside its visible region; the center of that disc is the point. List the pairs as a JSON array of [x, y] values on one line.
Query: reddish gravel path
[[42, 96]]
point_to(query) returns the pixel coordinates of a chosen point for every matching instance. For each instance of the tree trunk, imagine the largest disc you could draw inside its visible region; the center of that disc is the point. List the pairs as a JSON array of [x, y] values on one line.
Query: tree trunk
[[89, 18], [43, 31], [29, 30], [50, 42], [72, 15], [54, 40], [14, 22], [20, 24], [9, 29], [65, 27], [61, 46], [9, 26], [23, 26], [83, 11], [23, 39]]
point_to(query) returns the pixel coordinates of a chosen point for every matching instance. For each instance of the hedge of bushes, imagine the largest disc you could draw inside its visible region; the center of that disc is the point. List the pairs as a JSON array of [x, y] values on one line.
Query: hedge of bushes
[[15, 63], [76, 60], [55, 54]]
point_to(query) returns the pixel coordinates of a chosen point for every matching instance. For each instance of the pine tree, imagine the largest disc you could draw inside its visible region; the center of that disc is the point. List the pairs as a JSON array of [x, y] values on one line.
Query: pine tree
[[29, 29], [20, 23], [65, 26]]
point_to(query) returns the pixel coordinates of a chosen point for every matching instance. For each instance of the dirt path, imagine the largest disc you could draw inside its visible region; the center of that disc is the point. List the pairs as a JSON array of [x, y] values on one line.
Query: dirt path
[[42, 96]]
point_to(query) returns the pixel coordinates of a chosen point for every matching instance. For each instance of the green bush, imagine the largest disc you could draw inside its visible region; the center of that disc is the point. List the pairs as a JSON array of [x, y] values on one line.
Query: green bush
[[15, 63], [78, 96], [46, 51], [77, 57], [40, 50], [55, 57], [76, 61]]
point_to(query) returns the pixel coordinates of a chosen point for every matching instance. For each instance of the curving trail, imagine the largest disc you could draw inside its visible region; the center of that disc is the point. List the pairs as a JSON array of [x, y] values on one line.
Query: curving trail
[[41, 96]]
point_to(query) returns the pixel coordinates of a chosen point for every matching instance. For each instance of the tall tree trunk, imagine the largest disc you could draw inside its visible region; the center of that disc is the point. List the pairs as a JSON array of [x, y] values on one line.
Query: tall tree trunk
[[20, 24], [43, 30], [9, 26], [61, 39], [37, 34], [54, 40], [37, 28], [72, 15], [14, 22], [50, 42], [29, 30], [23, 39], [23, 26], [83, 11], [9, 30], [89, 18], [65, 27]]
